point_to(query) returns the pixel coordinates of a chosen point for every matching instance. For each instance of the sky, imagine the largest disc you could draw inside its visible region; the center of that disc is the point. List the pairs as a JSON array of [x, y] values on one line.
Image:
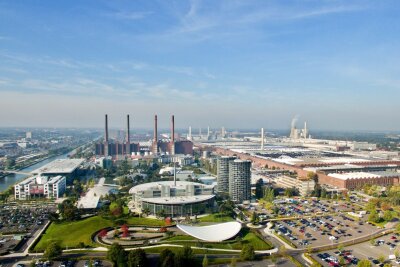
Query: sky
[[238, 64]]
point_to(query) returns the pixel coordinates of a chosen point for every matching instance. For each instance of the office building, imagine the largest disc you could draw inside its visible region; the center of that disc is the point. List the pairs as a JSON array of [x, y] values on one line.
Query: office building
[[239, 180], [174, 198], [223, 174], [40, 186]]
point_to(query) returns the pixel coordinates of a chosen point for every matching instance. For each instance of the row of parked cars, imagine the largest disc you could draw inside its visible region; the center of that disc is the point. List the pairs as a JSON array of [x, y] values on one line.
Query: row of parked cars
[[334, 260]]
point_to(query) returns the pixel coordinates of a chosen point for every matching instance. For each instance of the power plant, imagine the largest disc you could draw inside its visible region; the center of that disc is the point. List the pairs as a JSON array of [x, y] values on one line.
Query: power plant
[[298, 133], [114, 148]]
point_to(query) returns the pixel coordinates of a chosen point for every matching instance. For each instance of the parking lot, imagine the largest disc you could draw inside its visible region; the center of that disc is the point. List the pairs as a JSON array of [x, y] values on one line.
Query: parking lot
[[303, 207], [324, 230], [19, 222], [384, 247], [23, 218]]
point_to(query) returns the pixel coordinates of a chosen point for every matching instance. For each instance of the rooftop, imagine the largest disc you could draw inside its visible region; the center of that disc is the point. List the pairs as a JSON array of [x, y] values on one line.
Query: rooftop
[[212, 233], [363, 175], [158, 185], [178, 200], [64, 166]]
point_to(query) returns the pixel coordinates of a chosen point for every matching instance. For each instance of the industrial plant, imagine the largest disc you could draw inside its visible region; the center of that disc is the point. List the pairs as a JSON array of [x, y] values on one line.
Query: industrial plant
[[156, 146]]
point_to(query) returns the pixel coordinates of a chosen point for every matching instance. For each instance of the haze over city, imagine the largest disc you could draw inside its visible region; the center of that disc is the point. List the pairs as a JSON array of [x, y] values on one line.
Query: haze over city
[[238, 64]]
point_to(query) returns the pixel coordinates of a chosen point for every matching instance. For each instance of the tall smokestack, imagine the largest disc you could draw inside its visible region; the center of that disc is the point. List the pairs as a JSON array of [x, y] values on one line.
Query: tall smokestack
[[208, 131], [190, 133], [106, 152], [262, 138], [173, 135], [128, 141], [155, 141], [173, 128]]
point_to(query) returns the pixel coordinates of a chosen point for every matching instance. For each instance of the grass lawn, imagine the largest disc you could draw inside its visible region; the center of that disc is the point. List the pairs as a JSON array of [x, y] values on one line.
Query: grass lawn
[[180, 238], [70, 234], [195, 251], [215, 218], [248, 238], [145, 221]]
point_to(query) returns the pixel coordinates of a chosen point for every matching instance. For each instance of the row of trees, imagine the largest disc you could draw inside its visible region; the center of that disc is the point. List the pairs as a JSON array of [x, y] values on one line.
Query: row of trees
[[119, 257]]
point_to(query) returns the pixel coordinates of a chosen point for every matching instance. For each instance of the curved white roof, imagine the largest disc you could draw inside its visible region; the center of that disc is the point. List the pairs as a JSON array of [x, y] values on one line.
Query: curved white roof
[[178, 200], [212, 233], [171, 184]]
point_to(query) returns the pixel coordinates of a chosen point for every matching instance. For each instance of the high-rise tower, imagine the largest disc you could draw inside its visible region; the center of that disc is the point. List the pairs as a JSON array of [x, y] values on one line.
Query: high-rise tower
[[223, 174], [239, 180], [173, 135], [128, 142], [106, 152], [155, 138]]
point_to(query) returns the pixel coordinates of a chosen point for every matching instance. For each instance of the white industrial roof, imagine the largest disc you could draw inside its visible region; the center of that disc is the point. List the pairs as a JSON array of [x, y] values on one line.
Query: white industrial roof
[[343, 160], [60, 166], [361, 175], [212, 233], [178, 200]]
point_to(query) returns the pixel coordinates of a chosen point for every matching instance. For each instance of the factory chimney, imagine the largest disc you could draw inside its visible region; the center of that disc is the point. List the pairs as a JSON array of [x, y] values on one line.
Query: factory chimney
[[208, 131], [155, 141], [128, 142], [173, 135], [190, 133], [106, 152], [305, 130], [262, 138]]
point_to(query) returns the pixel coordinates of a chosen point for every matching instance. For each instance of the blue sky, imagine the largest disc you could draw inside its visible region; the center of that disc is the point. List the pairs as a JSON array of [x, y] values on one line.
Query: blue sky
[[238, 64]]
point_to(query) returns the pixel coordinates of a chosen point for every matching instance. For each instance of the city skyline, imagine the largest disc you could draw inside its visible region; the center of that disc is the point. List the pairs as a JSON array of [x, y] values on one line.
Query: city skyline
[[236, 64]]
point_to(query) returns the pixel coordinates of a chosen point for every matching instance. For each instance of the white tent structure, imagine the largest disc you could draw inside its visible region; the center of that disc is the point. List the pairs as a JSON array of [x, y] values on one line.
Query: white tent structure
[[212, 233]]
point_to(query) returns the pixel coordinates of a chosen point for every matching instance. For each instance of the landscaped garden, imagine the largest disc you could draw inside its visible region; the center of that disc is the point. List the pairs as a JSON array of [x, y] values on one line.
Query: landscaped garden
[[78, 234]]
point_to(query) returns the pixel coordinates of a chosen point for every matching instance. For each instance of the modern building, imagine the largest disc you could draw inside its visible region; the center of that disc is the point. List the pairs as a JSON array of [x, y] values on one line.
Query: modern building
[[304, 186], [64, 167], [212, 233], [173, 198], [223, 174], [239, 180], [92, 198], [40, 186]]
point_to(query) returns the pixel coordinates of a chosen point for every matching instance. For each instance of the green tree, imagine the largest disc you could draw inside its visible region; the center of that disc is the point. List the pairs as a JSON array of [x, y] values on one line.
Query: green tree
[[184, 257], [247, 252], [137, 258], [269, 194], [381, 259], [52, 251], [233, 262], [373, 216], [205, 261], [255, 219], [68, 210], [364, 263], [372, 241], [323, 193], [167, 258], [388, 216], [117, 255]]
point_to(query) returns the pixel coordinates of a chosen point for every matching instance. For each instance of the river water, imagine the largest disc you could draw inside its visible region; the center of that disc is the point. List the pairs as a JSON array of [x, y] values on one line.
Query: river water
[[11, 179]]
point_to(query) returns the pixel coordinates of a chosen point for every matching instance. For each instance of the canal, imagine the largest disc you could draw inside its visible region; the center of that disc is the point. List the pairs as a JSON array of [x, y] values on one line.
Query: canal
[[11, 179]]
